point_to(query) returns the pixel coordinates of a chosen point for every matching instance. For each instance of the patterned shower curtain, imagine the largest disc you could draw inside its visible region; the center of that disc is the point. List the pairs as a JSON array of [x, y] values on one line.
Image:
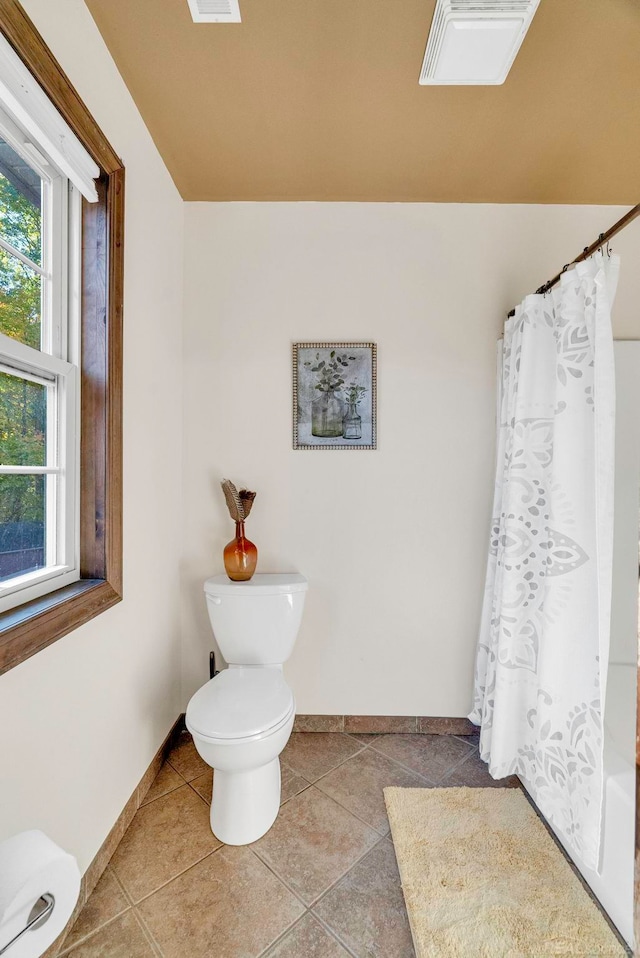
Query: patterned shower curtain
[[543, 649]]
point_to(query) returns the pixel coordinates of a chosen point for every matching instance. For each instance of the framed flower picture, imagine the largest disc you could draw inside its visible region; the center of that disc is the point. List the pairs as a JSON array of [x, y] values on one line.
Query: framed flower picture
[[334, 396]]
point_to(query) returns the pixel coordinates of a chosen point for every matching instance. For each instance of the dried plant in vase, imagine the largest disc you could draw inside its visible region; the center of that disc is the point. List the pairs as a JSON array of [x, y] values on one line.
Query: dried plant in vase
[[240, 555]]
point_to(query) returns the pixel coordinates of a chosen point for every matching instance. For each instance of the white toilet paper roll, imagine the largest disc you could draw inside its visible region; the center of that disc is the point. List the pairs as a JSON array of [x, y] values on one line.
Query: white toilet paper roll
[[30, 866]]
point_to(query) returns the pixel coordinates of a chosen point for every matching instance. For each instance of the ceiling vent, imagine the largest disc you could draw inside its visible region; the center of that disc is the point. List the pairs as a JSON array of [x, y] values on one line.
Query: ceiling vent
[[215, 11], [475, 41]]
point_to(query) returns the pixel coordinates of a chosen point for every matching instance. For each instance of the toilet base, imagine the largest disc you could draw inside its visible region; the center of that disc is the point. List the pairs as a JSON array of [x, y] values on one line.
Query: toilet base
[[245, 804]]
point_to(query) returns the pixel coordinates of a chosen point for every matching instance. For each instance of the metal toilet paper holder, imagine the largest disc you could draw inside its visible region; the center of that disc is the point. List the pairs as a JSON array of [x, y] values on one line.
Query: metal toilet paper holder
[[39, 914]]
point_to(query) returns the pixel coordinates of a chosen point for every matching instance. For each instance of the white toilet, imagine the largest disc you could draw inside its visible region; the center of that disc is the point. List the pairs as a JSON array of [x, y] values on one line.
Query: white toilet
[[242, 719]]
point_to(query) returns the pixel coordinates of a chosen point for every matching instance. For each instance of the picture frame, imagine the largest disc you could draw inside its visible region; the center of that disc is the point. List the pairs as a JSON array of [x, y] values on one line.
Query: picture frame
[[334, 396]]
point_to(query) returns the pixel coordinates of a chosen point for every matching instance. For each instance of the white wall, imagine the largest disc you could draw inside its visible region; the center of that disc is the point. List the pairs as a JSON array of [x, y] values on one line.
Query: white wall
[[394, 541], [82, 719]]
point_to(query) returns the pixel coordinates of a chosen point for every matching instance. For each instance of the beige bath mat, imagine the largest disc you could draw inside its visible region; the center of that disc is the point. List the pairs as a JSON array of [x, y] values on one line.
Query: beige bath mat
[[482, 878]]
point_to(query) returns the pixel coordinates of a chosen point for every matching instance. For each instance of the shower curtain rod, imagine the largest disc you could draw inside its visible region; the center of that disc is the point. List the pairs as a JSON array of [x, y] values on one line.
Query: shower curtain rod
[[589, 250]]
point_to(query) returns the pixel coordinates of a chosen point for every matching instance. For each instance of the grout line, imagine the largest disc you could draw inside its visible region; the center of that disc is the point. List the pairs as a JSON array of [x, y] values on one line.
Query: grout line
[[279, 877], [466, 738], [147, 933], [350, 810], [307, 784], [459, 767], [173, 877], [334, 934], [119, 884], [186, 781], [324, 774], [128, 905], [431, 782], [315, 918], [381, 839], [307, 907], [201, 797], [343, 807], [456, 767], [407, 768], [168, 792], [197, 793], [354, 735], [81, 941], [173, 790], [287, 800], [343, 762], [285, 764], [313, 903], [332, 887], [283, 935]]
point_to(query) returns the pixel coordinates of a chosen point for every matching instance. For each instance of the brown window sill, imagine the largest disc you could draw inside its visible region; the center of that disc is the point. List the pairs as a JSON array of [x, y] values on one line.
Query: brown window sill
[[34, 625]]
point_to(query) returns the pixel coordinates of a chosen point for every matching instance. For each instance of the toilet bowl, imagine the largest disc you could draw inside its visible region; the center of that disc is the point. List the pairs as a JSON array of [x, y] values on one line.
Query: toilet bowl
[[242, 718]]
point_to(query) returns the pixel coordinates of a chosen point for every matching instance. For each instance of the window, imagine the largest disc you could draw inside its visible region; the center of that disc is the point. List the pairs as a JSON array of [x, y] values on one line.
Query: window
[[39, 372], [61, 266]]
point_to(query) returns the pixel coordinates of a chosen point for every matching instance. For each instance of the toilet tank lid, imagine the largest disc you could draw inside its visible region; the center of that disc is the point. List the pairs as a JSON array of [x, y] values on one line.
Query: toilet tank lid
[[265, 583]]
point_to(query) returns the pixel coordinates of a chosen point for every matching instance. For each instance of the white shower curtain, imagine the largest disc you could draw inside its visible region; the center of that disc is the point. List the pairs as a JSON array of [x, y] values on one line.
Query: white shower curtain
[[543, 649]]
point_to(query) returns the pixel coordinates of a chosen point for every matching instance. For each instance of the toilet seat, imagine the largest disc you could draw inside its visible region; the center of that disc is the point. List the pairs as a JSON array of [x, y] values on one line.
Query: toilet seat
[[241, 704]]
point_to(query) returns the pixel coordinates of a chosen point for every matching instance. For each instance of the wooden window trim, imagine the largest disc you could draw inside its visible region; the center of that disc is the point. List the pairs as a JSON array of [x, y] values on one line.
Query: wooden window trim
[[34, 625]]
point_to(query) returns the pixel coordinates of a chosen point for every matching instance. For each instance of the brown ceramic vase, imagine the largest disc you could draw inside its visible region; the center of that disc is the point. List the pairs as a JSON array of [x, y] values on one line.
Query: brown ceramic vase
[[240, 556]]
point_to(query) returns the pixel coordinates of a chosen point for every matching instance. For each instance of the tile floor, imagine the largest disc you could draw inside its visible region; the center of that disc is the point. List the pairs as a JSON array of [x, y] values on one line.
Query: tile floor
[[322, 883]]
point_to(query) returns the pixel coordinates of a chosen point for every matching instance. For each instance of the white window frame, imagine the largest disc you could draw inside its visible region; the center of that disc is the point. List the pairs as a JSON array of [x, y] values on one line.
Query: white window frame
[[55, 365]]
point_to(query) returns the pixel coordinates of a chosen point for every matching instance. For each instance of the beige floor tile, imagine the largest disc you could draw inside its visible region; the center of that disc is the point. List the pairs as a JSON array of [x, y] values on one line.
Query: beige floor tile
[[165, 837], [307, 939], [313, 842], [185, 759], [366, 909], [228, 906], [122, 938], [292, 783], [105, 903], [474, 773], [358, 785], [430, 755], [165, 781], [473, 739], [312, 754], [203, 785]]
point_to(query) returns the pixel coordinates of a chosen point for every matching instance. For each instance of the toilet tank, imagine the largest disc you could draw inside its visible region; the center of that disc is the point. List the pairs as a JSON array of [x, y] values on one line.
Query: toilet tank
[[256, 622]]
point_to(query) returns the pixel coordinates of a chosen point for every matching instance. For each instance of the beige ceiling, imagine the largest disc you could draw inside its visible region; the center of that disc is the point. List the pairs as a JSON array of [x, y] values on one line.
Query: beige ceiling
[[319, 100]]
